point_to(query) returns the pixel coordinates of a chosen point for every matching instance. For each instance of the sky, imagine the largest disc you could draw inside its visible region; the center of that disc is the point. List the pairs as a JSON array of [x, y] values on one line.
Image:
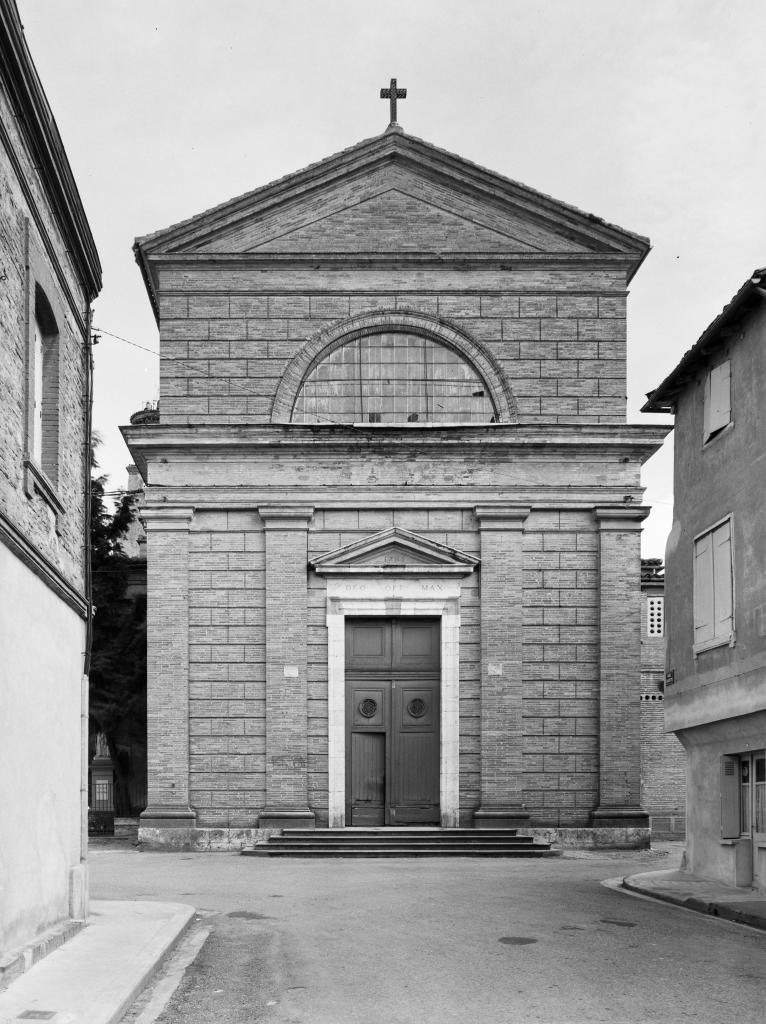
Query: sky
[[647, 113]]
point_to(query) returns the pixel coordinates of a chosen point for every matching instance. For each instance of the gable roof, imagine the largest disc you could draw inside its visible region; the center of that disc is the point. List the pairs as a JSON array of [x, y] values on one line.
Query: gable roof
[[480, 212], [713, 338]]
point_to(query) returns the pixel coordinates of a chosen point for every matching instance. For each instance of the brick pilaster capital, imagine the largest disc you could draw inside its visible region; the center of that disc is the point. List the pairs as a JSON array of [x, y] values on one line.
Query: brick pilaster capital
[[167, 517], [622, 518], [286, 517], [501, 517]]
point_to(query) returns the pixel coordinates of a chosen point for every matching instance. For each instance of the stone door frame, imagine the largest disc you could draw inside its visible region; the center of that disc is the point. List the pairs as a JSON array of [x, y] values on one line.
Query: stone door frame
[[393, 597]]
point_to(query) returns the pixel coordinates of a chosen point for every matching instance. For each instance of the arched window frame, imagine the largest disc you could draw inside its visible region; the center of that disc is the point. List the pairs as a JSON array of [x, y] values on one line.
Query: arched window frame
[[325, 341]]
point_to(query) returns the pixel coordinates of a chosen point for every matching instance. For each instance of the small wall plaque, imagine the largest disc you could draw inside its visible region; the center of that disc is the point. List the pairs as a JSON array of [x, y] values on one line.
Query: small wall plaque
[[292, 671]]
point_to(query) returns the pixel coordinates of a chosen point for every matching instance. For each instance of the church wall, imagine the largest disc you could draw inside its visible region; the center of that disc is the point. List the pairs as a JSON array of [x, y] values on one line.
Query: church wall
[[227, 659], [561, 669], [227, 673], [561, 347]]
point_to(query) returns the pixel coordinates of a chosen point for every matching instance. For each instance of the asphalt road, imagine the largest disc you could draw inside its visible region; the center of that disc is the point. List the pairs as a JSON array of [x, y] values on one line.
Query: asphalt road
[[440, 941]]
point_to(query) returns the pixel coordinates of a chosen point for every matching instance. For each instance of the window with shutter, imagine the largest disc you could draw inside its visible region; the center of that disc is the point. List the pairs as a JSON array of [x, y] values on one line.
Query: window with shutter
[[717, 405], [713, 588]]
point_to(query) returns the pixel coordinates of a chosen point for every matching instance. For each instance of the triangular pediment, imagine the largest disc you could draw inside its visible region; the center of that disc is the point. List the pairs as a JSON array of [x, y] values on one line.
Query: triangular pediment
[[395, 552], [390, 194]]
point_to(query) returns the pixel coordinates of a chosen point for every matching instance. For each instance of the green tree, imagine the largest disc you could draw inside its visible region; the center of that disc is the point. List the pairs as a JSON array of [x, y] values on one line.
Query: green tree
[[118, 653]]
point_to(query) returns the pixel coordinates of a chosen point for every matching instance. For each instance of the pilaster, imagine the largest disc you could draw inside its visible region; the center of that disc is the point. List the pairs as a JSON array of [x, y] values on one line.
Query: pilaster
[[501, 531], [286, 532], [167, 718], [619, 667]]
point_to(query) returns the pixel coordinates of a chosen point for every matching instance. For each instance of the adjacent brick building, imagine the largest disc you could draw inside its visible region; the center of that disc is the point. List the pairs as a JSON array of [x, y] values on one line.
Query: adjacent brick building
[[715, 699], [393, 507], [663, 764], [50, 274]]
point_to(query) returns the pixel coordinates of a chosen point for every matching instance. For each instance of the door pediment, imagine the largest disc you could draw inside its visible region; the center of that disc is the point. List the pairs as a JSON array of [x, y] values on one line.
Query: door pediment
[[395, 552]]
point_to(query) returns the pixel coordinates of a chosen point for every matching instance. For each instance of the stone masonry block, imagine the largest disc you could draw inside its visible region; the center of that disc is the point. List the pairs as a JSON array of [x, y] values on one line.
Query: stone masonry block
[[577, 305], [247, 306], [537, 306], [521, 330], [289, 306], [500, 305], [611, 305]]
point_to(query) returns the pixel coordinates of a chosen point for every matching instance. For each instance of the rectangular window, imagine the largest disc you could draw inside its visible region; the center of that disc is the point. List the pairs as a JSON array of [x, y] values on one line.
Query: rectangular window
[[713, 588], [743, 795], [717, 403], [655, 616]]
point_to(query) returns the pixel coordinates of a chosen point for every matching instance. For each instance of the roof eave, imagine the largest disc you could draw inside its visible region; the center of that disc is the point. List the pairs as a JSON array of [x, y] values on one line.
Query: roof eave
[[663, 398], [42, 134]]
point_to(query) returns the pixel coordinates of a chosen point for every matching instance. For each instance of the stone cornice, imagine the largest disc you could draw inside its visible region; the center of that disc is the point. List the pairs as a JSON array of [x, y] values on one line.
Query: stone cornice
[[501, 517], [286, 517], [395, 552], [488, 441], [167, 517], [621, 517], [353, 259], [41, 566]]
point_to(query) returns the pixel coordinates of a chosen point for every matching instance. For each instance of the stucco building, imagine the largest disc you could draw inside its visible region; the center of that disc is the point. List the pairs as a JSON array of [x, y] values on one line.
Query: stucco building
[[50, 275], [393, 507], [715, 697]]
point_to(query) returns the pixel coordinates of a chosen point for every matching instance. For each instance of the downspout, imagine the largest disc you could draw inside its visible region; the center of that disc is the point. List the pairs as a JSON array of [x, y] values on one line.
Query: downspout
[[79, 903]]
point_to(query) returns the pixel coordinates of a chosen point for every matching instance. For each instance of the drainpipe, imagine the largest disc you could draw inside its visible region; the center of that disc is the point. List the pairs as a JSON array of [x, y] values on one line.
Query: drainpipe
[[79, 894]]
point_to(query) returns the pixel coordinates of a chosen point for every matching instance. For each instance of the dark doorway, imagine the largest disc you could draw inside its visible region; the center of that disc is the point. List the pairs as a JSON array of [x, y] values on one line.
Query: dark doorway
[[392, 721]]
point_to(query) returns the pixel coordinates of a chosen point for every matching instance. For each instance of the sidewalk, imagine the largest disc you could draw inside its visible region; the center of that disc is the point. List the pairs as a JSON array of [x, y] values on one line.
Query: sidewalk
[[743, 906], [95, 976]]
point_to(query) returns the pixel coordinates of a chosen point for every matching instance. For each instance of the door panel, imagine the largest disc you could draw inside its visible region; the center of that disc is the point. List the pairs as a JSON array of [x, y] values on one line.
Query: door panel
[[416, 645], [415, 797], [392, 721], [368, 774], [368, 644]]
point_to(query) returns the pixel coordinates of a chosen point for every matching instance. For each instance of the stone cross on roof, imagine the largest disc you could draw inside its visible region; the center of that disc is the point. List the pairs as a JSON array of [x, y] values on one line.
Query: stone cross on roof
[[393, 94]]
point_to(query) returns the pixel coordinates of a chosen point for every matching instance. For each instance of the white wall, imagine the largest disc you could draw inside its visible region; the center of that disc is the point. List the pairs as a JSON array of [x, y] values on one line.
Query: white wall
[[41, 661]]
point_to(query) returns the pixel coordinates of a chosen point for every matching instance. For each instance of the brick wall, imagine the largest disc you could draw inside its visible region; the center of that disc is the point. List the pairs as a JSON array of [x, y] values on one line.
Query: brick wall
[[561, 674], [227, 660], [663, 759], [227, 668], [30, 513], [223, 354]]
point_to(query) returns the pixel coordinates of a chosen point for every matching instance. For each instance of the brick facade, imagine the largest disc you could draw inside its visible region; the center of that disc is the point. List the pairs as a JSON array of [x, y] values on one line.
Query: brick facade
[[663, 763], [50, 274], [245, 313]]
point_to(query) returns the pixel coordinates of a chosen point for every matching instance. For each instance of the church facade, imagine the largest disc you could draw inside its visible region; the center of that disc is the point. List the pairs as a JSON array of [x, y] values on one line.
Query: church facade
[[393, 508]]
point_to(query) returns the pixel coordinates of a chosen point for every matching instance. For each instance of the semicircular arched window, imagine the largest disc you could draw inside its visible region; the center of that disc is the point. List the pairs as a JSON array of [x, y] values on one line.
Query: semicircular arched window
[[393, 377]]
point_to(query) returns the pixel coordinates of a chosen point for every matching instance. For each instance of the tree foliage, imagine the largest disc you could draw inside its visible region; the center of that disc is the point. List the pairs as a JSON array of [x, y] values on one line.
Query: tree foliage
[[118, 654]]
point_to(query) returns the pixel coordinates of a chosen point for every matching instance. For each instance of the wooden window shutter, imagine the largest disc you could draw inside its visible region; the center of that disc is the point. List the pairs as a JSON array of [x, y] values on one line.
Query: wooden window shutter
[[722, 580], [717, 411], [704, 613], [730, 816]]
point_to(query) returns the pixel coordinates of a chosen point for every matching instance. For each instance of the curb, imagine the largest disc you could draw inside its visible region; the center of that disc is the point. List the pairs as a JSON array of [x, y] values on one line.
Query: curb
[[153, 969], [720, 910]]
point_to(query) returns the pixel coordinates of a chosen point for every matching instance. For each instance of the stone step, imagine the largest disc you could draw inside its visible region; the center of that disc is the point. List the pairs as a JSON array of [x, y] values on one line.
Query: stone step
[[400, 842], [416, 831], [436, 850]]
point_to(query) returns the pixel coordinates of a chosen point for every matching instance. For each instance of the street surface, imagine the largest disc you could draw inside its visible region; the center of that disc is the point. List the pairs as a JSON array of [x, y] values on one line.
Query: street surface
[[347, 941]]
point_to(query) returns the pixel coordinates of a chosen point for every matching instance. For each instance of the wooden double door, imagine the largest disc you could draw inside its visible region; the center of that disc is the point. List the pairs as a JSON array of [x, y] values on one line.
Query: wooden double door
[[392, 721]]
